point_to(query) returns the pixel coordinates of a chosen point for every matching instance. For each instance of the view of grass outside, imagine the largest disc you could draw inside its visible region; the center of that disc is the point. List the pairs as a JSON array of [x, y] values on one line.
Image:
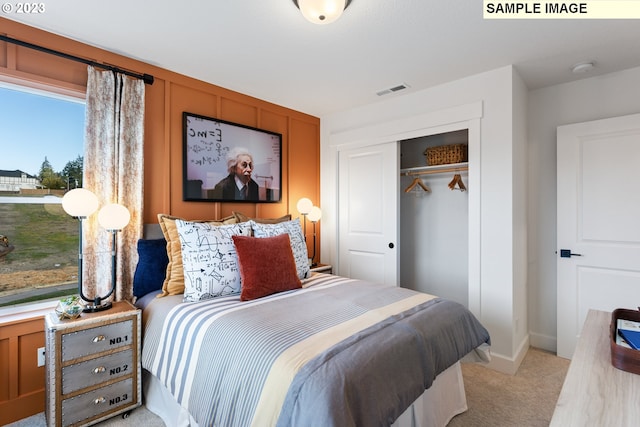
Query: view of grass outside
[[45, 258]]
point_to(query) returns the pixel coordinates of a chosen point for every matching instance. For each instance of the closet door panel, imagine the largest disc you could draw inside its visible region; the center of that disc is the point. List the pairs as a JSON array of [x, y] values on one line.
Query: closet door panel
[[368, 212]]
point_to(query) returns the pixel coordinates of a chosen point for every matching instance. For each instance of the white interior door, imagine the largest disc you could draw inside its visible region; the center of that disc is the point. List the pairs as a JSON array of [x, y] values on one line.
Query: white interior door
[[598, 222], [368, 212]]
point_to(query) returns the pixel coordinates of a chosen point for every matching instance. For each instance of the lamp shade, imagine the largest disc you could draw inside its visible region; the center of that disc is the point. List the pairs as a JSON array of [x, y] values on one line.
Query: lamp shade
[[304, 206], [114, 216], [80, 202], [315, 214], [322, 11]]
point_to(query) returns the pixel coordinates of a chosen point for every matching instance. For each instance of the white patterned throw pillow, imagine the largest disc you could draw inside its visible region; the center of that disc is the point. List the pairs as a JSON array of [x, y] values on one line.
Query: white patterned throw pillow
[[298, 243], [209, 259]]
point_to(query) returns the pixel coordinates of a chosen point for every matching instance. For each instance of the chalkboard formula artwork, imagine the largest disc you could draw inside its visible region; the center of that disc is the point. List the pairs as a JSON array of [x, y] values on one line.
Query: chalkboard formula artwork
[[225, 161]]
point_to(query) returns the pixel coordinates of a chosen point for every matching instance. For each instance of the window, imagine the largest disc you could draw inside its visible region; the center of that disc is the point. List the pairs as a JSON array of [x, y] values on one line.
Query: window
[[42, 140]]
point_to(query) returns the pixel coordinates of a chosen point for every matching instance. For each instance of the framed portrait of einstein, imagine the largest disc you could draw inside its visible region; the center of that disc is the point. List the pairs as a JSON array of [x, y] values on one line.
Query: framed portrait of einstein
[[230, 162]]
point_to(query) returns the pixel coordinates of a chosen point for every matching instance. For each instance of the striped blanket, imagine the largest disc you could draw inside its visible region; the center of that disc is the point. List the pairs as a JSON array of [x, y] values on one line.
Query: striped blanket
[[337, 352]]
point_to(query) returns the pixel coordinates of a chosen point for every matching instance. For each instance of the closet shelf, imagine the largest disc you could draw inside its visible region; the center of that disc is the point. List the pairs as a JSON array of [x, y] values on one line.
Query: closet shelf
[[428, 170]]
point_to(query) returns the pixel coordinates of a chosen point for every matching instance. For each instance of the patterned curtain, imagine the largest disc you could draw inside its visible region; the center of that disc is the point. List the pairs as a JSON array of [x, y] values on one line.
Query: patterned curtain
[[113, 170]]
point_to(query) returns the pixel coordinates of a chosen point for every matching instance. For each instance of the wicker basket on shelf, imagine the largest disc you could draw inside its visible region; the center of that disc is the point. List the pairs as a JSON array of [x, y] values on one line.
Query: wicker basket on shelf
[[446, 154]]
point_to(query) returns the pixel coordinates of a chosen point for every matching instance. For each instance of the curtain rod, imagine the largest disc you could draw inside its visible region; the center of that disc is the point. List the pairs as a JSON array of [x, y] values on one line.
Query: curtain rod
[[147, 78]]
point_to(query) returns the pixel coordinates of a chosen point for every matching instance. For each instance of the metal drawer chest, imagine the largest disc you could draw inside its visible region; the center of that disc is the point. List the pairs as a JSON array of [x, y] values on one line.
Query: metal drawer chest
[[92, 366]]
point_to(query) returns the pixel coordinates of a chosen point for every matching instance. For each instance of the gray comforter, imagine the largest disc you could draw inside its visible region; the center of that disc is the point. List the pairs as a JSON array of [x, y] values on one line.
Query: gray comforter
[[338, 352]]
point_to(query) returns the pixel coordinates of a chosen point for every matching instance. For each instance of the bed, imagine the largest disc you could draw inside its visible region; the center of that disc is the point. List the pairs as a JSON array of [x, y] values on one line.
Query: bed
[[333, 351]]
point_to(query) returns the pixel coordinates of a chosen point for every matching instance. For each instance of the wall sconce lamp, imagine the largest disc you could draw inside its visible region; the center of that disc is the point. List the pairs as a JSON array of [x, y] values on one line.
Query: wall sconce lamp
[[321, 11], [80, 203]]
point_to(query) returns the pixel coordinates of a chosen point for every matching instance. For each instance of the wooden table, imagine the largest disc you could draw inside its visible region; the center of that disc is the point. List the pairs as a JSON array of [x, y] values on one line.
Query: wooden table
[[595, 393]]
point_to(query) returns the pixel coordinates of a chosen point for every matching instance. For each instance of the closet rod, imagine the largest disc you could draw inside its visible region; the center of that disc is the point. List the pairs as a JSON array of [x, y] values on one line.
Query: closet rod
[[147, 78], [434, 171]]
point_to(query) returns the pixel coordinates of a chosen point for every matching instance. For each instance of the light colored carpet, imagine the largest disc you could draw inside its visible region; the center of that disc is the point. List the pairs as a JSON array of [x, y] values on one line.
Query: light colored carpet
[[526, 399], [139, 417]]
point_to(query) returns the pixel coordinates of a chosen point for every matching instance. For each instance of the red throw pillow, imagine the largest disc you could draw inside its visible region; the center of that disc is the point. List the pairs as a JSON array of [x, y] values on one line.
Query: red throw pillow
[[266, 265]]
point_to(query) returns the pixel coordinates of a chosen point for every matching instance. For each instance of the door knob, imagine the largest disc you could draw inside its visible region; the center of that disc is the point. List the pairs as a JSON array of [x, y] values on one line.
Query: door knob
[[390, 245], [566, 253]]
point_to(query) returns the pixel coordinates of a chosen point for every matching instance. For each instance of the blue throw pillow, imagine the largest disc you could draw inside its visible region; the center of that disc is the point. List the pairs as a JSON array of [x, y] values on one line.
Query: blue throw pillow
[[152, 266]]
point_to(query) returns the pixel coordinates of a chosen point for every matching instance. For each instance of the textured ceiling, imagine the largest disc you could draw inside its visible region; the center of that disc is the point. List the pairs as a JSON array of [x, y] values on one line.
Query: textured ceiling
[[266, 49]]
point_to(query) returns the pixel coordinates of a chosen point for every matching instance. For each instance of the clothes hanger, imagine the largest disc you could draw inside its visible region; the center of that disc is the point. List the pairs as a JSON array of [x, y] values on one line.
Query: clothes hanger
[[457, 180], [418, 182]]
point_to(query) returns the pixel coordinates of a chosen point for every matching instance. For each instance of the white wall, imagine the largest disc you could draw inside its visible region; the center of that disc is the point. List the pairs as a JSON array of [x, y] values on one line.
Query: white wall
[[494, 163], [611, 95], [520, 216]]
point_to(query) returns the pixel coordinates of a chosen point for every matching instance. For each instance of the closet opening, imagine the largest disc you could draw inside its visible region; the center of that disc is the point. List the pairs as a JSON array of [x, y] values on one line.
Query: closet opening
[[434, 215]]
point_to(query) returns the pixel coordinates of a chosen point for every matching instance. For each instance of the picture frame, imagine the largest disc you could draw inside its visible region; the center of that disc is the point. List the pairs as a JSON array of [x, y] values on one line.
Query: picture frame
[[225, 161]]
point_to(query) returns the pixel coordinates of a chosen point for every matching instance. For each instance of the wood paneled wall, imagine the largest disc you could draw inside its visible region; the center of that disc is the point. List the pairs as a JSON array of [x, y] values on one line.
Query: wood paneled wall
[[21, 380], [166, 99]]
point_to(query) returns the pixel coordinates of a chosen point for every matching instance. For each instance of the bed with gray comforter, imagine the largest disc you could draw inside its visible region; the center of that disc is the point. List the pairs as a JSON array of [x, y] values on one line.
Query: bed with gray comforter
[[338, 352]]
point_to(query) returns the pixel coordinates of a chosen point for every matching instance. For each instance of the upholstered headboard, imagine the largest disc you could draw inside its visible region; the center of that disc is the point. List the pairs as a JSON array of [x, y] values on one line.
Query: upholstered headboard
[[152, 231]]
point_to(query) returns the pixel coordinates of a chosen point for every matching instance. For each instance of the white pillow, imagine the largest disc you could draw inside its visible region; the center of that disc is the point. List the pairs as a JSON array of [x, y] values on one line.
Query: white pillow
[[298, 243], [209, 259]]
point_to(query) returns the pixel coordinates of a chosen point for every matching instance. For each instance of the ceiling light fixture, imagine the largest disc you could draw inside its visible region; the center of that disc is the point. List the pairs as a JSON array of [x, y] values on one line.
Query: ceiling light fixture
[[322, 11], [582, 67]]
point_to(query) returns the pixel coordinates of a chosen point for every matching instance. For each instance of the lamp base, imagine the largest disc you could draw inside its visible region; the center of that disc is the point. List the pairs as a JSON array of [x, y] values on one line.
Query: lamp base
[[92, 308]]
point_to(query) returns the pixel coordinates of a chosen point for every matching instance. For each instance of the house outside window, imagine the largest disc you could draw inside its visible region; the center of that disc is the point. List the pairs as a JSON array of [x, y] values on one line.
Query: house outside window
[[42, 141], [16, 180]]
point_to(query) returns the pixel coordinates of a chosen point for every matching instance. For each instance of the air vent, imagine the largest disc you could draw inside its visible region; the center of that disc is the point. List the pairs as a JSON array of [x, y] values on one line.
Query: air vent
[[397, 88]]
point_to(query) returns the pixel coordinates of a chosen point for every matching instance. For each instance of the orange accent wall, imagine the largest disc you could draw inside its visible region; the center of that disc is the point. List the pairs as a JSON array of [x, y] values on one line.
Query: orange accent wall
[[166, 99], [21, 380]]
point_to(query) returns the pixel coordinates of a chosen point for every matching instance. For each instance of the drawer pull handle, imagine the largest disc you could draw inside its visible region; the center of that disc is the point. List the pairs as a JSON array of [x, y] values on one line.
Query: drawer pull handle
[[99, 338], [99, 400], [99, 370]]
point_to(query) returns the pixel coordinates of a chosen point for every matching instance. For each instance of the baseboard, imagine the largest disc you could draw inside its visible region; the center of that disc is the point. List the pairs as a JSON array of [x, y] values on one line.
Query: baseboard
[[544, 342], [21, 407], [509, 365]]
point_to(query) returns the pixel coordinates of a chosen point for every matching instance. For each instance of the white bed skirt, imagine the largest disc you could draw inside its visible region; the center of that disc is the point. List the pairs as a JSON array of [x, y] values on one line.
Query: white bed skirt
[[435, 408]]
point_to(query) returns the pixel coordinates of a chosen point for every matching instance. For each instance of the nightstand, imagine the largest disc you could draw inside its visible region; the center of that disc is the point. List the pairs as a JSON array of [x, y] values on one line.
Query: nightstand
[[322, 268], [92, 365]]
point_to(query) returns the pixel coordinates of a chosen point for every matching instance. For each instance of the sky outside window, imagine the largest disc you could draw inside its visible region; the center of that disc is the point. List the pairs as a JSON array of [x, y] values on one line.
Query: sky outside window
[[33, 127]]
